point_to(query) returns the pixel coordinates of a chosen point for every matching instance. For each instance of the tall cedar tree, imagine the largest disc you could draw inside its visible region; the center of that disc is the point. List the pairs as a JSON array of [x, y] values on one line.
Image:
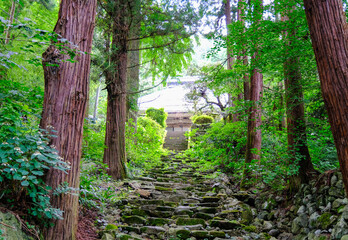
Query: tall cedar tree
[[253, 147], [116, 84], [296, 125], [65, 99], [329, 33]]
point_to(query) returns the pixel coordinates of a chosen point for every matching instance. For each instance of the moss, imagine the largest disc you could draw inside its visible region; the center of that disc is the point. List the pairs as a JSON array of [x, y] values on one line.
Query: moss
[[250, 228], [110, 227], [139, 212], [129, 228], [183, 234], [190, 221], [133, 219], [158, 221], [200, 234], [218, 234], [324, 221], [158, 188]]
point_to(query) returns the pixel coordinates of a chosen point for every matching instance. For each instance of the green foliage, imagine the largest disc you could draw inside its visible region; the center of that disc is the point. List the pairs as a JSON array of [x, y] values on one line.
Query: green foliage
[[93, 141], [25, 153], [222, 145], [145, 144], [202, 119], [159, 115]]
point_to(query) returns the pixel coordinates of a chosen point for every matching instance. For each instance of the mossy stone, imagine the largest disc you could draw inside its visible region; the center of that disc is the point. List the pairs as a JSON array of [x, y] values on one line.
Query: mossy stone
[[158, 221], [250, 228], [210, 199], [218, 234], [183, 234], [190, 221], [110, 227], [159, 188], [139, 212], [200, 234], [325, 220], [205, 216], [134, 219], [225, 224], [129, 228]]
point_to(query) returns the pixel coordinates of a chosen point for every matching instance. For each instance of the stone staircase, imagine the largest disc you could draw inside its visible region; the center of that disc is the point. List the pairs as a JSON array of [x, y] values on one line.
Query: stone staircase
[[174, 202]]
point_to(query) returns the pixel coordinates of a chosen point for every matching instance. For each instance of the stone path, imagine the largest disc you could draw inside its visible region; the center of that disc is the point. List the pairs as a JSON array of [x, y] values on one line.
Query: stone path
[[176, 202]]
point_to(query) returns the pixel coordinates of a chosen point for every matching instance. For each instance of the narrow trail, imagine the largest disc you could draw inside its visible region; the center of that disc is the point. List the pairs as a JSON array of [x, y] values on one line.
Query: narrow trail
[[178, 202]]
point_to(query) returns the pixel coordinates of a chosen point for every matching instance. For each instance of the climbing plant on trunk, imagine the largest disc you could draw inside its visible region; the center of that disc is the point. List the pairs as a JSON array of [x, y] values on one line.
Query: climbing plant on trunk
[[65, 99], [329, 33]]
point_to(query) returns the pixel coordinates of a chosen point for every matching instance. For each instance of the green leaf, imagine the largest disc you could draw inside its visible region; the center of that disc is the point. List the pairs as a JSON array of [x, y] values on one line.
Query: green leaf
[[38, 173], [25, 183]]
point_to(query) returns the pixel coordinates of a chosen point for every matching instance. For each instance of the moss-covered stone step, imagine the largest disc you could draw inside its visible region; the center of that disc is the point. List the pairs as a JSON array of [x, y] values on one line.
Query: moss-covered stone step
[[223, 224], [159, 232], [133, 220], [190, 221], [165, 208], [129, 229], [204, 216], [212, 210], [158, 221], [159, 214], [210, 199]]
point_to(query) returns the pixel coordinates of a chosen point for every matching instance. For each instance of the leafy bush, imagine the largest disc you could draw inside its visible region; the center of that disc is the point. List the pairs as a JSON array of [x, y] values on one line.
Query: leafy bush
[[25, 153], [145, 144], [202, 119], [158, 115], [223, 146]]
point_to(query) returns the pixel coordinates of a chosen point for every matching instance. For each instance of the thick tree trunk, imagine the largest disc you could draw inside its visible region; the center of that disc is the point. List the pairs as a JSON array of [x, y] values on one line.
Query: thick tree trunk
[[329, 32], [253, 147], [296, 123], [66, 91], [254, 121], [116, 80]]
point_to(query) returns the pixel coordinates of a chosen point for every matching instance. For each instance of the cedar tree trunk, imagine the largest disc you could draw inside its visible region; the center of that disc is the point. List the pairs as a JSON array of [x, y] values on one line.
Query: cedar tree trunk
[[329, 33], [116, 85], [296, 123], [253, 147], [65, 99]]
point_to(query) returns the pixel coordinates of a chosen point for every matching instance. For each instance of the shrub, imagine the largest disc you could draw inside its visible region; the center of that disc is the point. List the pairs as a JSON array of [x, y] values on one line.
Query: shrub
[[145, 144], [25, 154], [222, 145], [202, 119], [158, 115]]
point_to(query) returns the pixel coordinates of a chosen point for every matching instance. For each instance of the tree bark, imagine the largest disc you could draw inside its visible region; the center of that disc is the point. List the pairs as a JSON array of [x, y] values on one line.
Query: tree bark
[[329, 33], [253, 147], [66, 91], [116, 85], [296, 123]]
